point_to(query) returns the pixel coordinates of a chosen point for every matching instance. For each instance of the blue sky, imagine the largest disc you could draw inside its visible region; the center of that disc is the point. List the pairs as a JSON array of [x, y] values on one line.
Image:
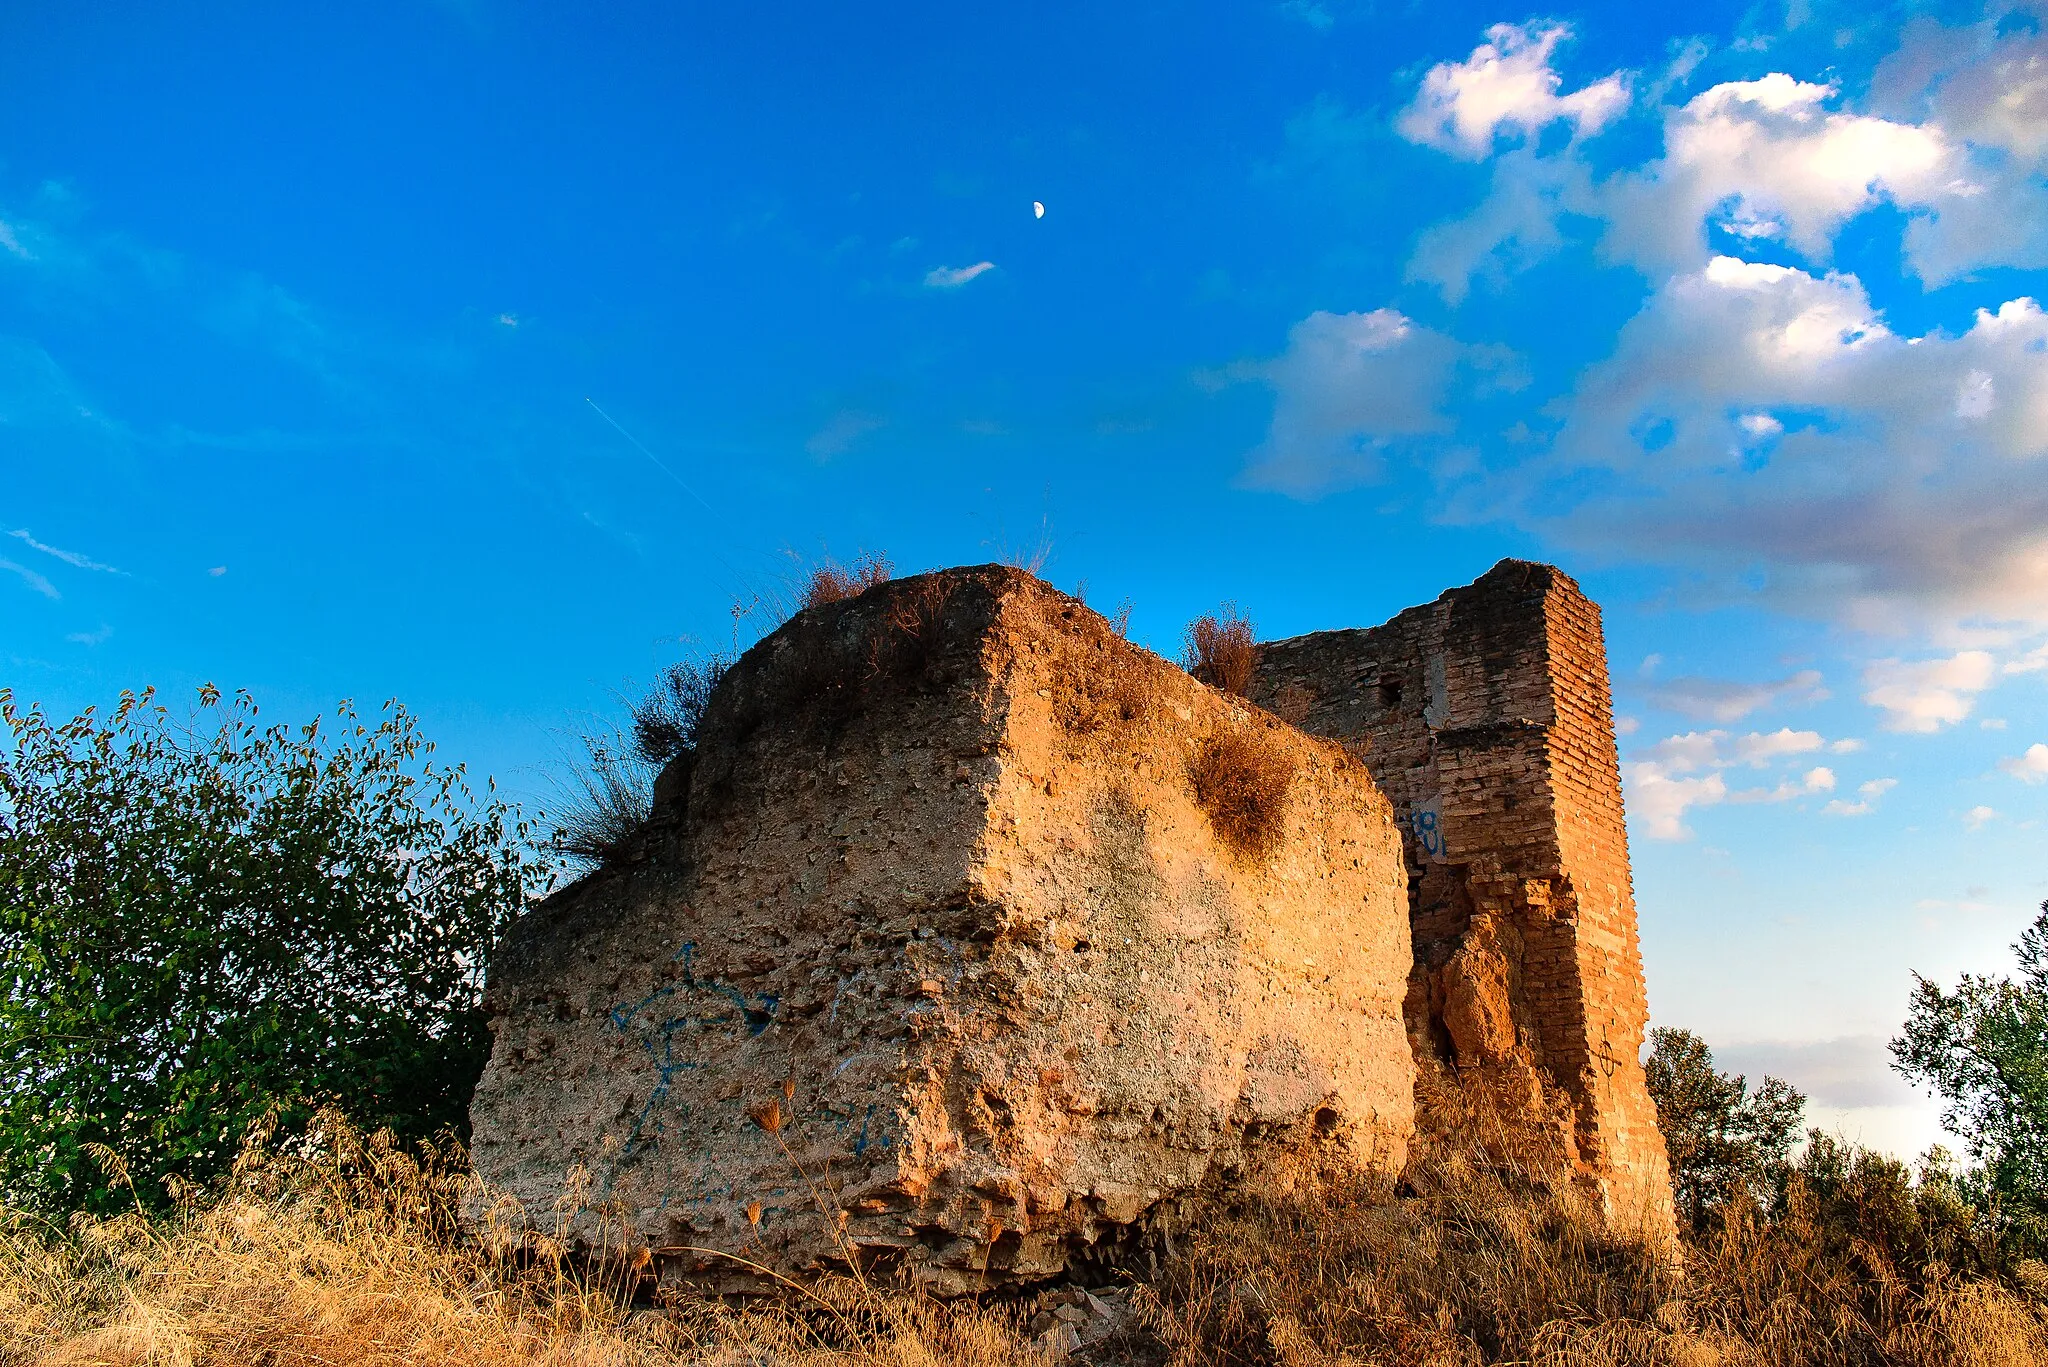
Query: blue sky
[[485, 355]]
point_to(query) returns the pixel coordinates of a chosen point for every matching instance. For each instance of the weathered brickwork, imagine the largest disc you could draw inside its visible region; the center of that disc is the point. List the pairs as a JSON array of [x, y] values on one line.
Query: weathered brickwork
[[1487, 718]]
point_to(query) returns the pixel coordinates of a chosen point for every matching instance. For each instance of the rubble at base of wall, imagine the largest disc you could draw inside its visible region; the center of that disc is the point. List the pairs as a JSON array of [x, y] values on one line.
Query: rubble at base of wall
[[974, 942]]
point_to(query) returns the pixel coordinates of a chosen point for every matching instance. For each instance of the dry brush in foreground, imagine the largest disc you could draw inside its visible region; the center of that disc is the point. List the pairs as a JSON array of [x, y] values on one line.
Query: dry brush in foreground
[[1473, 1257]]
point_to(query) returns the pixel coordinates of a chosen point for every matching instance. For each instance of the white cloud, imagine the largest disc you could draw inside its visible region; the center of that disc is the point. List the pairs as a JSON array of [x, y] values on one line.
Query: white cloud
[[1507, 85], [953, 277], [1762, 427], [1662, 787], [1759, 750], [1348, 385], [2031, 767], [72, 558], [31, 578], [1867, 796], [1989, 94], [1693, 750], [1851, 1071], [10, 242], [217, 571], [1718, 750], [1660, 801], [1767, 159], [1816, 780], [2033, 662], [1884, 507], [1725, 700], [90, 638], [1954, 132], [1513, 227], [1925, 695], [1978, 817]]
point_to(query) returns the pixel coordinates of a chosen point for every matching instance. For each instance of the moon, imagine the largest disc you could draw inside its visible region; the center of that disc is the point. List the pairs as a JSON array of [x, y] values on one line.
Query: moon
[[1037, 209]]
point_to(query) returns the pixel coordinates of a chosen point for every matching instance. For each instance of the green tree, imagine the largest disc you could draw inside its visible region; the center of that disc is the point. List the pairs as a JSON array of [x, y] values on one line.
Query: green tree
[[205, 920], [1725, 1142], [1983, 1049]]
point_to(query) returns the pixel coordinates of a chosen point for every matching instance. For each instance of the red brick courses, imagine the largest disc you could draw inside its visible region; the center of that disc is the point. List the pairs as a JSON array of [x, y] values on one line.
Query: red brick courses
[[1487, 719]]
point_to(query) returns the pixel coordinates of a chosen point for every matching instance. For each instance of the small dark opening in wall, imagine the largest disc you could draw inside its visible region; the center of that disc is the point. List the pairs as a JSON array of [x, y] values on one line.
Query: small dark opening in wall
[[1390, 694], [1326, 1119]]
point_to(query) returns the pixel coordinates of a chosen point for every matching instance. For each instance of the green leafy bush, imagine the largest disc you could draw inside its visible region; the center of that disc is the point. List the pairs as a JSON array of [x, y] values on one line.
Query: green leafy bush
[[206, 920]]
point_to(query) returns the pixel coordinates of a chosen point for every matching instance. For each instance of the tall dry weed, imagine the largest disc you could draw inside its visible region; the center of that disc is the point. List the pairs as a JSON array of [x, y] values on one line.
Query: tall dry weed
[[832, 582], [1222, 651]]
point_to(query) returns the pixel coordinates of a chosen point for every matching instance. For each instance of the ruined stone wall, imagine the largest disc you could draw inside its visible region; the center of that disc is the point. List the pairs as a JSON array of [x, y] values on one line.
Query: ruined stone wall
[[946, 950], [1486, 717]]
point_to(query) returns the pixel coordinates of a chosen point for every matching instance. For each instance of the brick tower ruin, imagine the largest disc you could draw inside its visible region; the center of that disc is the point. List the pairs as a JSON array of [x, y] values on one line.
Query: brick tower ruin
[[1487, 719], [976, 940]]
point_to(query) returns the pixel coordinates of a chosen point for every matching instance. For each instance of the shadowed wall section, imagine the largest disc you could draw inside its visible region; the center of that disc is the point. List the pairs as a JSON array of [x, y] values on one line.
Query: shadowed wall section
[[1487, 718]]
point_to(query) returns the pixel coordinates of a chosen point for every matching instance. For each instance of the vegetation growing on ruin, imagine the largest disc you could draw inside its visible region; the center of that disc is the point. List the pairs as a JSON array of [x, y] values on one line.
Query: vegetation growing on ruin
[[832, 582], [1241, 778], [1221, 649]]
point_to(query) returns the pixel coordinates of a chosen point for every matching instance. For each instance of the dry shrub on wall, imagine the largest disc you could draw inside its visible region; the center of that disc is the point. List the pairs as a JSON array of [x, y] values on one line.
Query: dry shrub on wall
[[915, 622], [1241, 778], [1222, 651], [1109, 683], [833, 582]]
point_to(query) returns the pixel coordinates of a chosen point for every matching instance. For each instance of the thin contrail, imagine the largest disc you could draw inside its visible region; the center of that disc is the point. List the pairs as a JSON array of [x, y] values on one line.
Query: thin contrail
[[651, 456]]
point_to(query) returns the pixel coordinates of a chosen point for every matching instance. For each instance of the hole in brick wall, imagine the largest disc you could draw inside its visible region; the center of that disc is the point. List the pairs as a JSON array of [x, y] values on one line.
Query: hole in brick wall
[[1390, 694]]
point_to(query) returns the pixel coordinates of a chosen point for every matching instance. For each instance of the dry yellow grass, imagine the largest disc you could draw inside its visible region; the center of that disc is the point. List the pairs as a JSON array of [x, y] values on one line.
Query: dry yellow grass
[[1474, 1257], [355, 1259], [1479, 1255]]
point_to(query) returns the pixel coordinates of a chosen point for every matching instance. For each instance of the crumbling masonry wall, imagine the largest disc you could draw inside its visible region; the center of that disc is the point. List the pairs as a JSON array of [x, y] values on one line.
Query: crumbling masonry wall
[[1487, 718], [937, 955]]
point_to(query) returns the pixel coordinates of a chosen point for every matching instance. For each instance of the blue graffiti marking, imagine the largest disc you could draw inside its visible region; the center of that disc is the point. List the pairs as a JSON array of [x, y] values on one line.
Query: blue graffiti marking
[[622, 1016], [1428, 831], [860, 1145], [659, 1043]]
